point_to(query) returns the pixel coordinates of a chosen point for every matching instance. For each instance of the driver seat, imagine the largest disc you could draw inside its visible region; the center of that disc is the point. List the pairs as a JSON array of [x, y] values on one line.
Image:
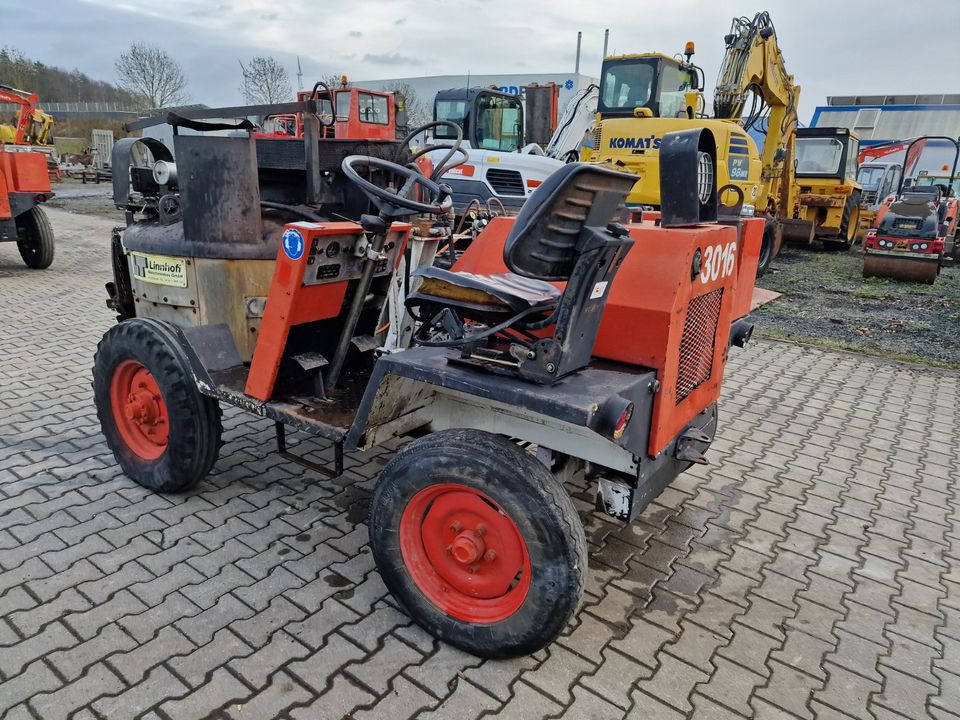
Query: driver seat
[[564, 233]]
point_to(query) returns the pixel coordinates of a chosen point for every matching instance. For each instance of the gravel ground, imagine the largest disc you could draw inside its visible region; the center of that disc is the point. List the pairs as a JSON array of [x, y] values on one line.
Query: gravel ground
[[826, 301], [86, 199]]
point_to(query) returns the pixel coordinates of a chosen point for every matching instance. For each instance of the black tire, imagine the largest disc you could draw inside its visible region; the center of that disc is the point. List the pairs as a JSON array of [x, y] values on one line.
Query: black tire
[[35, 241], [847, 232], [540, 510], [766, 248], [194, 420]]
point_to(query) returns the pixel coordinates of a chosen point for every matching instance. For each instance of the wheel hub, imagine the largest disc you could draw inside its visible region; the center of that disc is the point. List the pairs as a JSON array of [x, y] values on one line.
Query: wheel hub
[[465, 553], [139, 410], [467, 547]]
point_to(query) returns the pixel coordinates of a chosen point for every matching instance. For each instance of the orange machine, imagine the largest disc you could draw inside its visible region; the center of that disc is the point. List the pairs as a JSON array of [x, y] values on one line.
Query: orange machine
[[310, 256], [24, 184], [658, 305], [599, 345], [358, 114]]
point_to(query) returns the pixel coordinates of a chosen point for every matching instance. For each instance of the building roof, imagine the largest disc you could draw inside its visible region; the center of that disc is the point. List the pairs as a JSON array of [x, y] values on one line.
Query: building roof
[[875, 100], [887, 122]]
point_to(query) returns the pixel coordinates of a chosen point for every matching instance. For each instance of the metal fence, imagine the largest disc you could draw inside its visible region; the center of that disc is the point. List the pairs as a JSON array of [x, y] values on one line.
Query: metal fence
[[75, 107]]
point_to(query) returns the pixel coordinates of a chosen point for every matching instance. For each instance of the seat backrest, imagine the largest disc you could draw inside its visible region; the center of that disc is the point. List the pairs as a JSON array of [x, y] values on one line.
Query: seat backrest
[[543, 241], [930, 193]]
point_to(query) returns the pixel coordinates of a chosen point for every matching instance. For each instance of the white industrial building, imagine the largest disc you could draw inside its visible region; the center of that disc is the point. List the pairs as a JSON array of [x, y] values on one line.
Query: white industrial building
[[426, 88]]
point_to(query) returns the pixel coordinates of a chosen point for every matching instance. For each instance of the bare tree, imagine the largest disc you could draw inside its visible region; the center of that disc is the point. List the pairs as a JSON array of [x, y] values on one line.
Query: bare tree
[[152, 74], [418, 112], [265, 81], [335, 80]]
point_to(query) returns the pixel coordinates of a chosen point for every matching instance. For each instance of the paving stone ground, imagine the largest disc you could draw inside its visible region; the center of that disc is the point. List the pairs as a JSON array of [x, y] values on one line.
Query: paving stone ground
[[811, 570]]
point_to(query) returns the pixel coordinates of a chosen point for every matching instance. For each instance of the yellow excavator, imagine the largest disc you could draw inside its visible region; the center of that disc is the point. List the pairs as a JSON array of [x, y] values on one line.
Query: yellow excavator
[[646, 95], [33, 126]]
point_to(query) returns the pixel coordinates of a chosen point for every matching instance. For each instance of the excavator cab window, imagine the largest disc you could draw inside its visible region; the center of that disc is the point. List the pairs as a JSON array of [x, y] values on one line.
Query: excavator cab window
[[870, 177], [499, 123], [656, 83], [454, 111], [675, 82], [628, 84], [819, 156]]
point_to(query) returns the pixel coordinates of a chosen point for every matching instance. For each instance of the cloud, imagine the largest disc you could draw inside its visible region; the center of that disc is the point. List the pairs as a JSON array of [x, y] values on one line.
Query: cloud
[[391, 59], [871, 46]]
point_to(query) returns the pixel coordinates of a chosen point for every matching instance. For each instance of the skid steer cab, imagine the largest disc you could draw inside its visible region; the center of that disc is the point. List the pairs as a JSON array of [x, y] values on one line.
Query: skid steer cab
[[562, 343]]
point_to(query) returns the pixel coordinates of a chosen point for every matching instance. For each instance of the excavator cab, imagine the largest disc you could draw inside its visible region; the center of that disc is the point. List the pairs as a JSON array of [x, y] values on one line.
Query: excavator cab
[[643, 97], [502, 169], [491, 120], [657, 83]]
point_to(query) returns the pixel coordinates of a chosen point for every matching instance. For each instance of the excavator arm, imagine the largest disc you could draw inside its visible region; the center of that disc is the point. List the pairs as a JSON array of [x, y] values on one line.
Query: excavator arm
[[753, 66], [28, 107]]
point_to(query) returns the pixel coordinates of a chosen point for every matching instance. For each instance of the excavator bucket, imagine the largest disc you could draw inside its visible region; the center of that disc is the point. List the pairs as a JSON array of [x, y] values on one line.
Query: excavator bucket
[[798, 231], [908, 269]]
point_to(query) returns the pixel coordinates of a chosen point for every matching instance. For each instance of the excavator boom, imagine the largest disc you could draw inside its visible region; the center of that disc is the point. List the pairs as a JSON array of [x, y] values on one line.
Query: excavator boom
[[33, 125], [753, 66]]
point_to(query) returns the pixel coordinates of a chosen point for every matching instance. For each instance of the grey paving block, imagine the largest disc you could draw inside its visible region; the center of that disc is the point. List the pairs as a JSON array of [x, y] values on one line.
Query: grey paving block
[[810, 569]]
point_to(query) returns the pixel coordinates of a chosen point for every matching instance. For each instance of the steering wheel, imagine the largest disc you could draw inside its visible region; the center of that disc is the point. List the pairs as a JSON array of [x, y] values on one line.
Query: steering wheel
[[389, 200], [445, 164]]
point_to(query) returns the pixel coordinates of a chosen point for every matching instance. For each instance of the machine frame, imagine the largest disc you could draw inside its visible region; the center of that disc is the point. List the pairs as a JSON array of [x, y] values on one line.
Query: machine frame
[[490, 560]]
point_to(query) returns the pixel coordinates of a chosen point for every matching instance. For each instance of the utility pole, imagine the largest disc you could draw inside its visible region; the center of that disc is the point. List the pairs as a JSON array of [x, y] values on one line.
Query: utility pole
[[576, 69], [300, 74]]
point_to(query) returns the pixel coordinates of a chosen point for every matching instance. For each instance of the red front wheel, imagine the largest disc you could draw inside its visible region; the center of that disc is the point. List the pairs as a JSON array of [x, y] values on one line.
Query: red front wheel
[[163, 432], [479, 542], [139, 410]]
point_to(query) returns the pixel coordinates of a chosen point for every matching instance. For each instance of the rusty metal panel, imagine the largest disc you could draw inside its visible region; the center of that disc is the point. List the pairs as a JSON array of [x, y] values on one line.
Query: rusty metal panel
[[224, 287], [219, 192]]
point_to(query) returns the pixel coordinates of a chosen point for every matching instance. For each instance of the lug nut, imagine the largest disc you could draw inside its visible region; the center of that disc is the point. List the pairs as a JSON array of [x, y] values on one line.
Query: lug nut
[[489, 556], [456, 527], [481, 529], [473, 568]]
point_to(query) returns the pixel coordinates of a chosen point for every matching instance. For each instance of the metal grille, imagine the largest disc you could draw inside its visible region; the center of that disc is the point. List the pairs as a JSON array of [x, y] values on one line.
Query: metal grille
[[698, 342], [505, 182], [907, 223], [597, 137]]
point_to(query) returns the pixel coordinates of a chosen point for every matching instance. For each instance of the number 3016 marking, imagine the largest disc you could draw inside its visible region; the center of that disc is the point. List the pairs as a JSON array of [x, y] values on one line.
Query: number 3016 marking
[[718, 261]]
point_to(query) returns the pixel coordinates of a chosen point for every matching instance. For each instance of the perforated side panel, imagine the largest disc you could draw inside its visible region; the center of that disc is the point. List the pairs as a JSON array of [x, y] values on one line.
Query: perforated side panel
[[698, 342]]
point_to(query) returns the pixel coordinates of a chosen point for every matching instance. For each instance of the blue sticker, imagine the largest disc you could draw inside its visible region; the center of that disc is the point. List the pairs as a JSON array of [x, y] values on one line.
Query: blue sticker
[[568, 84], [292, 242]]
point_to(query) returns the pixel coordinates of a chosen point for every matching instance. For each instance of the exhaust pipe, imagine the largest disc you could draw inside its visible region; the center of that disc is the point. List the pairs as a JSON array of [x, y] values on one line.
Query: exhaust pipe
[[576, 69]]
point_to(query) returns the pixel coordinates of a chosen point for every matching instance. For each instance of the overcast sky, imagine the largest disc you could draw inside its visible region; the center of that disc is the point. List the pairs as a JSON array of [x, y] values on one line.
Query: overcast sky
[[833, 47]]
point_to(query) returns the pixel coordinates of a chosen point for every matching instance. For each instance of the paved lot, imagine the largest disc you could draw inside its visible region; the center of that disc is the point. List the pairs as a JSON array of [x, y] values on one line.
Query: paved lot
[[813, 569]]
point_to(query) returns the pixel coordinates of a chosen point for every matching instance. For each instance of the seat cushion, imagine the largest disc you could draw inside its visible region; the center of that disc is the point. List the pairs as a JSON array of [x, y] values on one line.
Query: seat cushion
[[502, 291]]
